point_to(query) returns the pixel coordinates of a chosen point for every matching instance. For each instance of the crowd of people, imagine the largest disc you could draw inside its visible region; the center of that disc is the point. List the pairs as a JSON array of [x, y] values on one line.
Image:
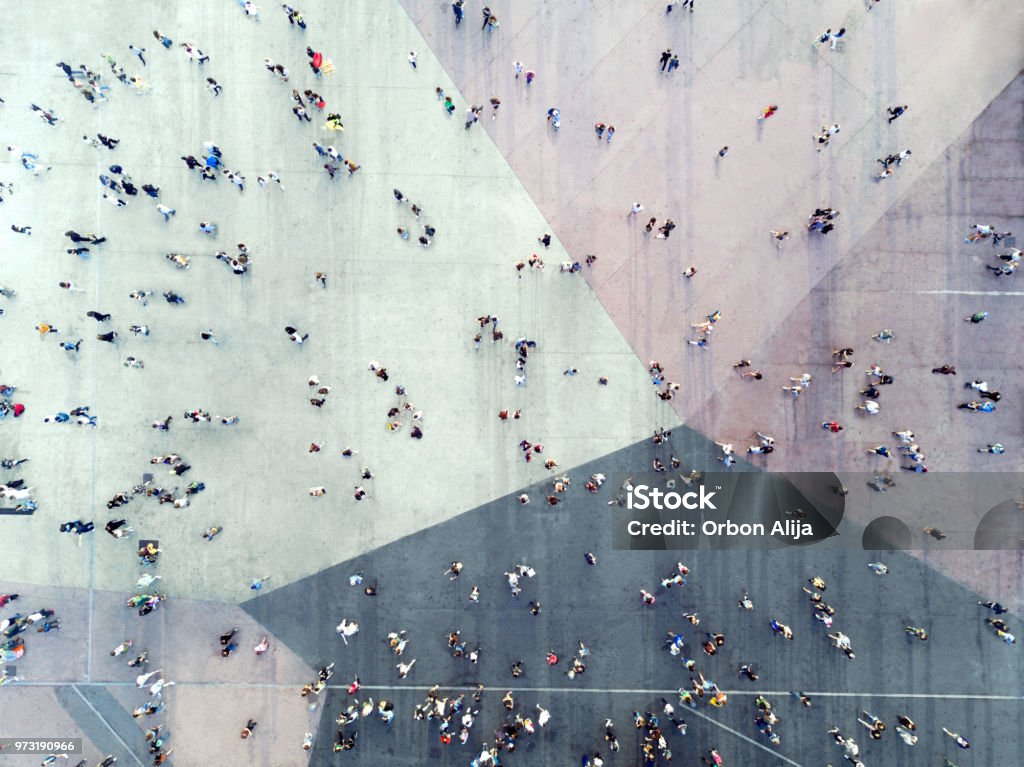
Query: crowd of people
[[452, 714]]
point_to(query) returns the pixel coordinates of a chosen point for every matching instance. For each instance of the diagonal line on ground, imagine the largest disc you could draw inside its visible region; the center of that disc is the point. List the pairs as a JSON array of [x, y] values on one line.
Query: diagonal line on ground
[[105, 722]]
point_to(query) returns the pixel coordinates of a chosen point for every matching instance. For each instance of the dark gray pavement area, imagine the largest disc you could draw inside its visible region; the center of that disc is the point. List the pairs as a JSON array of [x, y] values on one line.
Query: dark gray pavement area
[[963, 677]]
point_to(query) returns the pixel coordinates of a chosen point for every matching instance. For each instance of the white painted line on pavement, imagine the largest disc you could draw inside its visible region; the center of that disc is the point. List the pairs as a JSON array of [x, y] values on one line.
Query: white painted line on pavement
[[544, 690], [107, 725], [675, 693], [959, 292], [741, 736]]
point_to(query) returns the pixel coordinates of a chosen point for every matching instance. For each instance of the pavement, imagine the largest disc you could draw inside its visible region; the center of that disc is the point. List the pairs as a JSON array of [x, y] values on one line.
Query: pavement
[[491, 192], [388, 300]]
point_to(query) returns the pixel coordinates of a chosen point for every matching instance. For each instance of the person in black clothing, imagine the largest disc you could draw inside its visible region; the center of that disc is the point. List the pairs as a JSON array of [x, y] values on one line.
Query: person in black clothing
[[116, 528], [895, 112], [76, 237]]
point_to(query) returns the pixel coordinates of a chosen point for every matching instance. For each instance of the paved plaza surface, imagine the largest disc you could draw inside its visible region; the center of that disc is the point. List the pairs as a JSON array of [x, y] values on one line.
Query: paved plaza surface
[[896, 260]]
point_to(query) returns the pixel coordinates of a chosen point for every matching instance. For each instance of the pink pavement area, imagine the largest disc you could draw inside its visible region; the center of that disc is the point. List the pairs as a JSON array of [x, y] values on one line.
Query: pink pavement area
[[896, 258]]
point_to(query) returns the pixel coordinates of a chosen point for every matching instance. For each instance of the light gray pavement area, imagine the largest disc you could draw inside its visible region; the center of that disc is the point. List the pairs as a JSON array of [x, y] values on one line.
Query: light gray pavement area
[[490, 196], [387, 299]]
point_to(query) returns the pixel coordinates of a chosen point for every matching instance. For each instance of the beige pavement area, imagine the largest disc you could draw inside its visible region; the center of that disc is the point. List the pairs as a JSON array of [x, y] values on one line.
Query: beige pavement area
[[182, 641], [665, 155], [895, 259]]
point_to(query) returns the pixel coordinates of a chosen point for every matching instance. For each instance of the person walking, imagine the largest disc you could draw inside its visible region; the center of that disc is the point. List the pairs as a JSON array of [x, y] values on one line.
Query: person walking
[[896, 112], [829, 35], [138, 52], [960, 740]]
